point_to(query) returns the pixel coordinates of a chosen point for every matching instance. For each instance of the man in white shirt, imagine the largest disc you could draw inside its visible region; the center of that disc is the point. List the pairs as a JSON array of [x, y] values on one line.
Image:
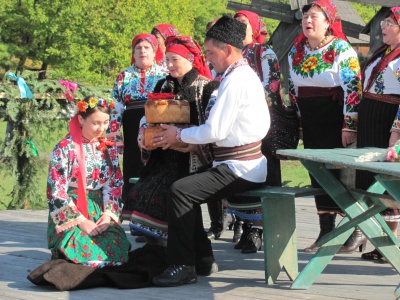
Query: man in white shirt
[[237, 122]]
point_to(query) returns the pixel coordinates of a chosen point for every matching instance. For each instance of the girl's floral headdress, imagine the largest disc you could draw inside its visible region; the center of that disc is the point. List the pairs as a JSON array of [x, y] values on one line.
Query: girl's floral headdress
[[92, 102]]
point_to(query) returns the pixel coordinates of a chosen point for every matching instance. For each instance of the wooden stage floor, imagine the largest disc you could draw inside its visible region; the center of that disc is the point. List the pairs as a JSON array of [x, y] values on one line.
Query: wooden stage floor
[[23, 247]]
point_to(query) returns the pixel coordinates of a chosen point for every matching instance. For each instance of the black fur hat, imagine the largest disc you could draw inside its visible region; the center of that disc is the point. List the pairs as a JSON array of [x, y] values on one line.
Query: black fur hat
[[228, 30]]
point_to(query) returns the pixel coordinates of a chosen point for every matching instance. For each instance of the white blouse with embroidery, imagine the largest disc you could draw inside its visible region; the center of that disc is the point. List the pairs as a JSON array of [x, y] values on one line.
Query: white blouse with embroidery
[[387, 82], [238, 117]]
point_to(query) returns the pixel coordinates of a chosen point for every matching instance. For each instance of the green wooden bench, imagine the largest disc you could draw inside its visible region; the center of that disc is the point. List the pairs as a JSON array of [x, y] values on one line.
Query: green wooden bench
[[279, 227]]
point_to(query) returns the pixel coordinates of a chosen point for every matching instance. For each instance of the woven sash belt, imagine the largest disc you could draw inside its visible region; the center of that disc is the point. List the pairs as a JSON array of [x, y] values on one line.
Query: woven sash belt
[[135, 104], [336, 92], [245, 152], [392, 99]]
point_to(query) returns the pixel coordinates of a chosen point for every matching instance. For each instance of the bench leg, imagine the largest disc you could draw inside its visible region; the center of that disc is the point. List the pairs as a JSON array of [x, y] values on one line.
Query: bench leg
[[279, 237]]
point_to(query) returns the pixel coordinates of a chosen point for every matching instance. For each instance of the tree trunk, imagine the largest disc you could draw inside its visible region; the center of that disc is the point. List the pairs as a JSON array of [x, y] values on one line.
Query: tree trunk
[[20, 66], [43, 69]]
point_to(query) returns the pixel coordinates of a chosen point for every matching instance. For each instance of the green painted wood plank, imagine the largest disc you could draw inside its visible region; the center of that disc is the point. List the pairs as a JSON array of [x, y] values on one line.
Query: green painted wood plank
[[280, 239], [349, 205]]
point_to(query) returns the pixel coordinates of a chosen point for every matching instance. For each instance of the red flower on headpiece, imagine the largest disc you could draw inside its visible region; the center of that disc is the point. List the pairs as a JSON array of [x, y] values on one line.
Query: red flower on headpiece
[[396, 13], [82, 105]]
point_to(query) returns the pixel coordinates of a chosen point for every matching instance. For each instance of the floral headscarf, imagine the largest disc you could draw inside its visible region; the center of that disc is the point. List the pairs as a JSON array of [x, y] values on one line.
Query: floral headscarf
[[257, 25], [166, 30], [335, 22], [149, 38], [396, 13], [189, 49]]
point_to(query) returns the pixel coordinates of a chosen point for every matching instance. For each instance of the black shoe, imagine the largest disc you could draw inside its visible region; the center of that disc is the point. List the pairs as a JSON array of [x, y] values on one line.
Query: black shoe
[[206, 266], [214, 234], [176, 275], [140, 239], [135, 232], [373, 255], [253, 242], [243, 238]]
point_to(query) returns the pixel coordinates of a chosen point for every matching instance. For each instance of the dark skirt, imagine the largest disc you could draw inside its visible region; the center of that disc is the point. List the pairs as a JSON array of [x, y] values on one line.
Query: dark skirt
[[375, 119], [146, 203], [322, 121], [131, 164]]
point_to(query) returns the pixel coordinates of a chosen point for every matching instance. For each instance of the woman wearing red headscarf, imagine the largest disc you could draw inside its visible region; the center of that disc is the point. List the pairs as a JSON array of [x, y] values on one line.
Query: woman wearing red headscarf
[[265, 63], [162, 32], [130, 94], [379, 113], [188, 79], [325, 84]]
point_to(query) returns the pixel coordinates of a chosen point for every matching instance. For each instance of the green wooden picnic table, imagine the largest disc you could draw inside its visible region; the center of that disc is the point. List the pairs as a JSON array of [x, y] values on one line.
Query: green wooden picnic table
[[362, 208]]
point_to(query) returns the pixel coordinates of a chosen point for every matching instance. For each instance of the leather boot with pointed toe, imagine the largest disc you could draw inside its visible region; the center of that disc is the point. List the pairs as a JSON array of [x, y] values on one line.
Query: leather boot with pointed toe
[[356, 240], [326, 224]]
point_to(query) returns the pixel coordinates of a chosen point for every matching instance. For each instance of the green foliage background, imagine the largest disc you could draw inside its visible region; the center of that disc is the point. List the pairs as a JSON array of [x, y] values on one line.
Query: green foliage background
[[88, 42], [33, 122]]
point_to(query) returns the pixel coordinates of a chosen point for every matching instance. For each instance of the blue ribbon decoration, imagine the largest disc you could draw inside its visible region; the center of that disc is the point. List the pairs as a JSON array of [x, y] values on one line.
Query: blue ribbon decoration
[[24, 90]]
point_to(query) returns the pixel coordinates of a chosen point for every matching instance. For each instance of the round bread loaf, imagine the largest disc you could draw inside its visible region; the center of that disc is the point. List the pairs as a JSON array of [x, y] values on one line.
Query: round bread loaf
[[167, 111], [149, 133]]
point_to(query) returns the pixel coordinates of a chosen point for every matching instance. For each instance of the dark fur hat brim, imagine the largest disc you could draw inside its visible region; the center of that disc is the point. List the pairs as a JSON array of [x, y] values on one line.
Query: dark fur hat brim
[[228, 30]]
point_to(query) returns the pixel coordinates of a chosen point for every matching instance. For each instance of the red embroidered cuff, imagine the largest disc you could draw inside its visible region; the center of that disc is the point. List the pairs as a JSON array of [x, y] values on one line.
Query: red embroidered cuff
[[178, 135]]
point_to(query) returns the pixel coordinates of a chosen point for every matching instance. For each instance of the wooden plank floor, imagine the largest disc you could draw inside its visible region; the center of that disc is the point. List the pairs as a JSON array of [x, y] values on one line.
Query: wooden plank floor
[[241, 276]]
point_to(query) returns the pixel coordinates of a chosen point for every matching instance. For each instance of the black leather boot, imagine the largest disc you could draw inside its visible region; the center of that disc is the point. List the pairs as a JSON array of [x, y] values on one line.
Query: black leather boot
[[216, 217], [356, 240], [243, 238], [326, 224], [253, 242]]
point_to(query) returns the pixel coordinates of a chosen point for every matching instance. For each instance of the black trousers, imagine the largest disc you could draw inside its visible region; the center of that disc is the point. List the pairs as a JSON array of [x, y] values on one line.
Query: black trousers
[[187, 239]]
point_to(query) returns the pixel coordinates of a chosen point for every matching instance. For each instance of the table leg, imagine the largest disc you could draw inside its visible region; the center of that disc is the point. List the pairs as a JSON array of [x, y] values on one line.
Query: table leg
[[353, 209]]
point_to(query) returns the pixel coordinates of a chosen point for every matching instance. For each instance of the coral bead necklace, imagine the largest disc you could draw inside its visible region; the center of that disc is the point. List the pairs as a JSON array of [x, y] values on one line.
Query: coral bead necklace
[[321, 44]]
